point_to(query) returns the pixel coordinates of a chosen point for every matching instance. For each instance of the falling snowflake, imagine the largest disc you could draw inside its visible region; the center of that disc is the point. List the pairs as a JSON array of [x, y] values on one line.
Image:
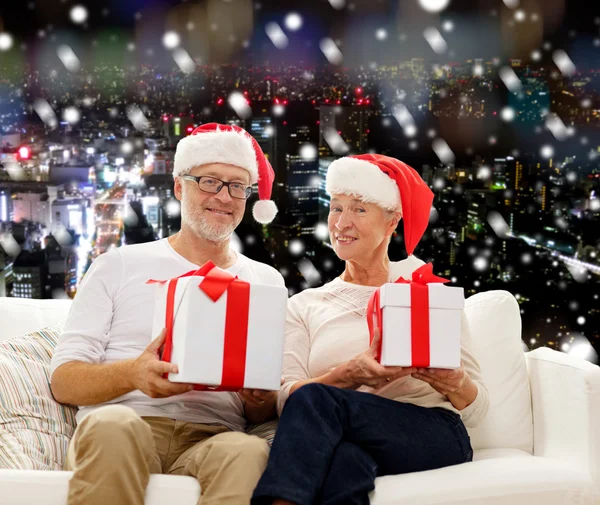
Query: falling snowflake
[[278, 110], [6, 41], [435, 39], [171, 40], [78, 14], [72, 115], [413, 145], [62, 235], [526, 258], [68, 58], [511, 4], [439, 184], [480, 264], [484, 173], [581, 320], [296, 247], [321, 231], [571, 177], [331, 51], [498, 224], [9, 244], [586, 103], [431, 133], [277, 35], [563, 62], [239, 104], [309, 272], [45, 112], [137, 117], [236, 243], [338, 4], [127, 147], [184, 61], [448, 26], [556, 126], [335, 141], [520, 16], [578, 273], [507, 114], [190, 26], [381, 34], [510, 79], [536, 55], [293, 21], [492, 140], [547, 151], [443, 151], [595, 204], [434, 5], [308, 152], [434, 215]]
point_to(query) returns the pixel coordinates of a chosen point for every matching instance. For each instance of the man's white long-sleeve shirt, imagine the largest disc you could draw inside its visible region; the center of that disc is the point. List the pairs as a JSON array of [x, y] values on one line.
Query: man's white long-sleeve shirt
[[111, 320]]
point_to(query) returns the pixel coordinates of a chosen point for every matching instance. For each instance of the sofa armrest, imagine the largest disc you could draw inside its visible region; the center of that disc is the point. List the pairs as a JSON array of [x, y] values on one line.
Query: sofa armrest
[[565, 394]]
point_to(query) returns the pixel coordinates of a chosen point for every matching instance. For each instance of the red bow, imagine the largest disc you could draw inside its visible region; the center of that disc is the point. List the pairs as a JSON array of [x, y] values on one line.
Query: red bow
[[419, 313], [216, 282]]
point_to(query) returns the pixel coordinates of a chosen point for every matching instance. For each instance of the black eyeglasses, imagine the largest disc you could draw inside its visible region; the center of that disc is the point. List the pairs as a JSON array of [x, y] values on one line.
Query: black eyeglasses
[[214, 185]]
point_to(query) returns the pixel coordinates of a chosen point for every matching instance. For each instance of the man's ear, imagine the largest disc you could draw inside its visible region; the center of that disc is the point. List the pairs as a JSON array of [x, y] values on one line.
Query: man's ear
[[177, 189]]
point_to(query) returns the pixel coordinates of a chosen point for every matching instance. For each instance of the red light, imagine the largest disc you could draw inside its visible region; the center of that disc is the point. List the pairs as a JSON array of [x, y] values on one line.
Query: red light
[[284, 123], [220, 101], [368, 101], [314, 101], [285, 102], [338, 102], [24, 153], [189, 129], [277, 101], [327, 100], [360, 101], [358, 91], [165, 119]]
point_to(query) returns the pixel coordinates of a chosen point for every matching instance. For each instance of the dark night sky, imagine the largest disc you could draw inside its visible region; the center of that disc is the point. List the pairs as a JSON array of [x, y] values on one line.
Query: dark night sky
[[569, 24]]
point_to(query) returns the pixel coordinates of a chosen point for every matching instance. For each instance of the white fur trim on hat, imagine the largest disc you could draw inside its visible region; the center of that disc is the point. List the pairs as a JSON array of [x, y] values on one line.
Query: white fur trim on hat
[[264, 211], [228, 147], [352, 176]]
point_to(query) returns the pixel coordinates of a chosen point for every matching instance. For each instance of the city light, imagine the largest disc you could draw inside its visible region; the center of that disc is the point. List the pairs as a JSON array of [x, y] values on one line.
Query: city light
[[24, 153]]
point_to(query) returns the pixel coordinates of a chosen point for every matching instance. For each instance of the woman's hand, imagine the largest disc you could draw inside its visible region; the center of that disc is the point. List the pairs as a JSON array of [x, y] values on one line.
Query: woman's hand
[[258, 397], [364, 370], [444, 381]]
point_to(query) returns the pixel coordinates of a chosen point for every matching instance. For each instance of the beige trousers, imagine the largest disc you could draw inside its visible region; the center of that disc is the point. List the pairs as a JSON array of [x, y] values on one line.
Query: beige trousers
[[114, 451]]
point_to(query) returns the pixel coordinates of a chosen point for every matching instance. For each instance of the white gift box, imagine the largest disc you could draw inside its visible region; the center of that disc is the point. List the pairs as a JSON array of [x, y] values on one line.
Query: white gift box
[[199, 334], [445, 313]]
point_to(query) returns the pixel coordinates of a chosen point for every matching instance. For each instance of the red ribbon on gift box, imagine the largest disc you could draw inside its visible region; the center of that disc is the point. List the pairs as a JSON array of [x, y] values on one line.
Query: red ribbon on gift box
[[215, 283], [419, 314]]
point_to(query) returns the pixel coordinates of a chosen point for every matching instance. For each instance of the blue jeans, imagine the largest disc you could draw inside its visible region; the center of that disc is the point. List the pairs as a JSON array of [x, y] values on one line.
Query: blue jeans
[[332, 443]]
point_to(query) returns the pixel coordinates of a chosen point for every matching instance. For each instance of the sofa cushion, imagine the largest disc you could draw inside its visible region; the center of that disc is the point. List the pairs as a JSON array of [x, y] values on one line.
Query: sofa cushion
[[265, 430], [23, 315], [35, 430], [498, 477], [494, 322]]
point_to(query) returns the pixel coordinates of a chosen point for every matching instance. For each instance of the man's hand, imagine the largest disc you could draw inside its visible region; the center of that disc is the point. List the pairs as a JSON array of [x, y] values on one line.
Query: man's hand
[[147, 372], [364, 369]]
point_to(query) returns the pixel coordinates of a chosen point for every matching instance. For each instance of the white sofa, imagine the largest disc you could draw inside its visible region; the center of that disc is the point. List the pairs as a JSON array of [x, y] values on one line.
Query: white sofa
[[540, 443]]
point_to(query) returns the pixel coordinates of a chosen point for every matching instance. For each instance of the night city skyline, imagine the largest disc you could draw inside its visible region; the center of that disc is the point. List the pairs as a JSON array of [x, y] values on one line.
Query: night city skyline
[[508, 139]]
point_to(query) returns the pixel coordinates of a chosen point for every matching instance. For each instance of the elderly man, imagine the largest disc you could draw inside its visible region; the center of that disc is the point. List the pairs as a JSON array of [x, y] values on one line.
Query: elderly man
[[132, 422]]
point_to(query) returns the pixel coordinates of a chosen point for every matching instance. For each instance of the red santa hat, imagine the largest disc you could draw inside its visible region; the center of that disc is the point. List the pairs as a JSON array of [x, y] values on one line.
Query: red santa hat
[[387, 182], [230, 144]]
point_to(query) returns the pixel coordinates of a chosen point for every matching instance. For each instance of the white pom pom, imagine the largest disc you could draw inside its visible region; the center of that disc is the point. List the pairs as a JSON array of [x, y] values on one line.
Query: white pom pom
[[264, 211]]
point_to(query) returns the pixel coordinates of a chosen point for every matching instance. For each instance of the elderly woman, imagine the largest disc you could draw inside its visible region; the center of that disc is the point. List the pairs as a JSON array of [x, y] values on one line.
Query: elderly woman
[[347, 419]]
